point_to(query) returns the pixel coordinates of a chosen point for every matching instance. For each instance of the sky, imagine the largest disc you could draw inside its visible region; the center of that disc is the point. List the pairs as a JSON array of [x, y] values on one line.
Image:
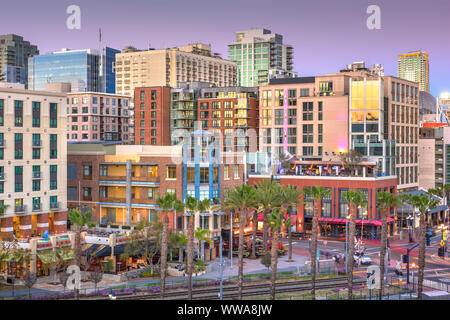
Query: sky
[[326, 35]]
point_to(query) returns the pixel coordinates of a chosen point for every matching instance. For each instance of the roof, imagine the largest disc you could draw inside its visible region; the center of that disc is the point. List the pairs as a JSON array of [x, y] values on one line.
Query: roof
[[293, 80]]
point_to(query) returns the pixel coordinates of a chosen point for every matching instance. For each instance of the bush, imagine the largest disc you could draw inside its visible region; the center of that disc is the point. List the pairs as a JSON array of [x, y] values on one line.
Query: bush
[[266, 260], [150, 273]]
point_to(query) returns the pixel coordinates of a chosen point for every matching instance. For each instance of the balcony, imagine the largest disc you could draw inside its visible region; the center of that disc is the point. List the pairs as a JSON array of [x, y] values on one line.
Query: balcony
[[37, 206], [20, 208], [54, 205], [37, 175]]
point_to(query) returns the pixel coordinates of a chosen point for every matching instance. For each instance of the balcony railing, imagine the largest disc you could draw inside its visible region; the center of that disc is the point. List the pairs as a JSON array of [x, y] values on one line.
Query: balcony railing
[[54, 205], [37, 143], [37, 175], [19, 208]]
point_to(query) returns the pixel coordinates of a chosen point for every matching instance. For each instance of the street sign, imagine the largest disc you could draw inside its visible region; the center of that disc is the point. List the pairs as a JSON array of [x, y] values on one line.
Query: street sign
[[373, 277], [442, 243]]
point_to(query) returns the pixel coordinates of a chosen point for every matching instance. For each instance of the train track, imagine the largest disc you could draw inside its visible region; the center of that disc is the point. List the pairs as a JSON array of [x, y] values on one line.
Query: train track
[[253, 290]]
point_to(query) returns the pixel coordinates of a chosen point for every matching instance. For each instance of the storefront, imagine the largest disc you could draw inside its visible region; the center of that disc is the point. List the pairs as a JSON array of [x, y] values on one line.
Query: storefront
[[370, 229]]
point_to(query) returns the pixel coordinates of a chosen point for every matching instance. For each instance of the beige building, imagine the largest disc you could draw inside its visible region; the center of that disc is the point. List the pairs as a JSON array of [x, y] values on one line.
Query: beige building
[[169, 67], [33, 162], [415, 66]]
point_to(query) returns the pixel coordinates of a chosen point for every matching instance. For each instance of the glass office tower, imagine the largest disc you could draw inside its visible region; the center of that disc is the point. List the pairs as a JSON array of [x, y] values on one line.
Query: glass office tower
[[85, 70]]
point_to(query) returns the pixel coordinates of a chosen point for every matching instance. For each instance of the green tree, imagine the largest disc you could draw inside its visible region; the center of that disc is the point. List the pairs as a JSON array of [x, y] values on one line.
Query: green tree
[[275, 223], [202, 235], [317, 193], [292, 199], [386, 201], [190, 207], [356, 199], [425, 203], [79, 220], [167, 203], [351, 161], [241, 199], [269, 196]]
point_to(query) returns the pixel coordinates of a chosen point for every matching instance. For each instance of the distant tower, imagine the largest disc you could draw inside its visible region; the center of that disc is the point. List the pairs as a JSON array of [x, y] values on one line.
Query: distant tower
[[415, 66]]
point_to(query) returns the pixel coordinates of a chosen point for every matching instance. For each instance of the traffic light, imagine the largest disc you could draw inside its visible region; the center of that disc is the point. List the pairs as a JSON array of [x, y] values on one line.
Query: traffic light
[[428, 241], [405, 258], [441, 252]]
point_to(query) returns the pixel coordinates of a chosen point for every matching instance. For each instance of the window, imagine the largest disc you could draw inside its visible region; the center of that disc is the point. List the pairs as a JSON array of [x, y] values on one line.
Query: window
[[326, 88], [36, 153], [153, 93], [292, 116], [2, 112], [171, 172], [307, 111], [307, 133], [308, 204], [307, 151], [18, 146], [152, 193], [226, 171], [53, 146], [53, 115], [343, 204], [362, 212], [204, 175], [236, 171], [36, 112], [36, 185], [87, 170], [304, 92], [18, 113], [279, 116], [326, 205], [87, 192], [53, 177], [18, 181], [292, 97]]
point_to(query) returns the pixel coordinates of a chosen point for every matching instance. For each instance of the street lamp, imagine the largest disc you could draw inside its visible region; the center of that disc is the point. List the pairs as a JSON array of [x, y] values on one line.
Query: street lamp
[[410, 219]]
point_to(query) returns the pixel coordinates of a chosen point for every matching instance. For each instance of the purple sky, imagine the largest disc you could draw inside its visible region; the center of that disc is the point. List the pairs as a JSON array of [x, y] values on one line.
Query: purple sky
[[326, 34]]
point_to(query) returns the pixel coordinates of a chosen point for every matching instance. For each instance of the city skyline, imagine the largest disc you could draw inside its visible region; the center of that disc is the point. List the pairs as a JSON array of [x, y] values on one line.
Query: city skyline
[[316, 31]]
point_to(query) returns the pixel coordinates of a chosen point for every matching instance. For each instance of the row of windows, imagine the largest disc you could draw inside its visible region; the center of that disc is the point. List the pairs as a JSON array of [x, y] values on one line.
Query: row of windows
[[36, 204], [36, 113], [36, 146], [85, 100], [36, 178]]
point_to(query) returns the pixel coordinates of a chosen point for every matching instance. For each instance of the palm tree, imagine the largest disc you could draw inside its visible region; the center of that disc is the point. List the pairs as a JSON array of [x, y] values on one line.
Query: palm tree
[[275, 223], [201, 235], [79, 220], [291, 198], [407, 198], [167, 203], [241, 198], [178, 241], [191, 207], [424, 202], [317, 193], [386, 201], [269, 197], [356, 199], [203, 206]]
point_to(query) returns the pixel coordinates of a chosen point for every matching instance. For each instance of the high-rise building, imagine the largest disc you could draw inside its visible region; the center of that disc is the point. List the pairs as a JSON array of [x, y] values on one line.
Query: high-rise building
[[98, 117], [170, 67], [375, 115], [260, 56], [33, 166], [86, 70], [14, 54], [415, 66]]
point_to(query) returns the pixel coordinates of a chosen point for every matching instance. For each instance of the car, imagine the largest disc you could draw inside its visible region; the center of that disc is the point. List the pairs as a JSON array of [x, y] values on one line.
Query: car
[[363, 258]]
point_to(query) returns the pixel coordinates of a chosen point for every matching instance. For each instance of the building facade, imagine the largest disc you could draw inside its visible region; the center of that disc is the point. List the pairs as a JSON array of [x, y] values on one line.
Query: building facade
[[260, 55], [152, 116], [98, 117], [86, 70], [170, 67], [33, 166], [415, 66], [14, 54]]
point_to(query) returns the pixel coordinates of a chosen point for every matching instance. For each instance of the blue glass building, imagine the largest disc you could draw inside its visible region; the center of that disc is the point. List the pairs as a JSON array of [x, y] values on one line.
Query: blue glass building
[[83, 69]]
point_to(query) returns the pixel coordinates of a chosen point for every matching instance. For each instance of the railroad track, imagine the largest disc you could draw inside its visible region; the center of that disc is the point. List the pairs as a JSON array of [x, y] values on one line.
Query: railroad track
[[253, 290]]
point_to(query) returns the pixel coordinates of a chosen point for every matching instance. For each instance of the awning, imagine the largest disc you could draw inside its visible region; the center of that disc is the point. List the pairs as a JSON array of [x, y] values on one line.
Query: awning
[[219, 213], [205, 214]]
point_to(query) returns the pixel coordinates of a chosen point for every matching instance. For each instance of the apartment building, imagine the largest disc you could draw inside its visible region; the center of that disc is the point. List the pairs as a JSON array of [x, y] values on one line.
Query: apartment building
[[260, 55], [415, 66], [169, 67], [14, 54], [98, 117], [33, 166], [152, 116]]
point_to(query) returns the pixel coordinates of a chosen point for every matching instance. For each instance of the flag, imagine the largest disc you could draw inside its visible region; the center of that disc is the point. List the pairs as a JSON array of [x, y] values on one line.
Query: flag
[[100, 34]]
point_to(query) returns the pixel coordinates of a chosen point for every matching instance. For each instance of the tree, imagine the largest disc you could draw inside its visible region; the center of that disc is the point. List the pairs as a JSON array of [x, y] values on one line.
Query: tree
[[351, 160], [355, 200], [291, 198], [191, 207], [7, 249], [3, 208], [317, 193], [178, 241], [201, 235], [275, 223], [144, 241], [29, 280], [96, 276], [425, 203], [269, 196], [266, 260], [241, 198], [79, 220], [386, 201], [167, 203]]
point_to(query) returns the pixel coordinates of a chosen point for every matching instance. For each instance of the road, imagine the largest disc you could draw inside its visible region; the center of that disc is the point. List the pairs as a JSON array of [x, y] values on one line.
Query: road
[[435, 268]]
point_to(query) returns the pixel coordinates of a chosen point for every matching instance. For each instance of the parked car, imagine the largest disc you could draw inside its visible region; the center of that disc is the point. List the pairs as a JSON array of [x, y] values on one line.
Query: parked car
[[362, 257]]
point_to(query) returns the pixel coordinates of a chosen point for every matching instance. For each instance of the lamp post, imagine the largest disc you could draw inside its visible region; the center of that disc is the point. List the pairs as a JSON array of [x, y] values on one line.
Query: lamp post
[[410, 221], [346, 243], [231, 239], [221, 270]]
